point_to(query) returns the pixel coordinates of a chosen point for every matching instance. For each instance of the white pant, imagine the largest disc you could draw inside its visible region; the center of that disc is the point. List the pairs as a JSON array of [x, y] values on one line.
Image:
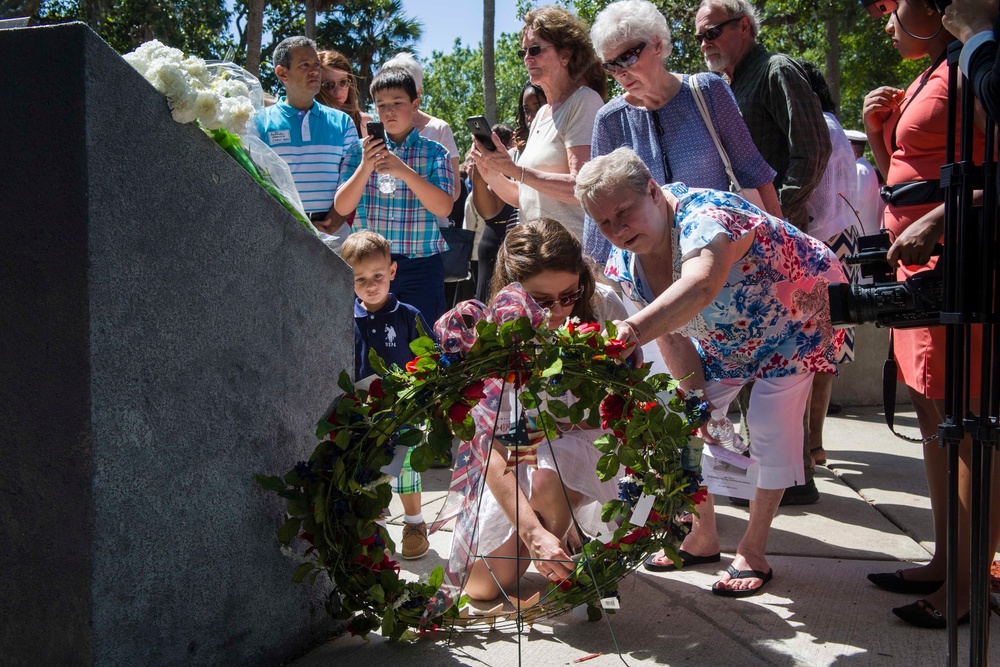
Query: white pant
[[774, 417]]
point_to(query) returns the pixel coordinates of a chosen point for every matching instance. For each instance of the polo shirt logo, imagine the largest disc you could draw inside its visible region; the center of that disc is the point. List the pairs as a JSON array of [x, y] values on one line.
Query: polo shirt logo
[[390, 336], [279, 137]]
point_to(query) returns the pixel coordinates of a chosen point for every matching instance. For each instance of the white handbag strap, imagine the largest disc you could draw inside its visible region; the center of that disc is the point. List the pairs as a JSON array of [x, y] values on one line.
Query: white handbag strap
[[699, 100]]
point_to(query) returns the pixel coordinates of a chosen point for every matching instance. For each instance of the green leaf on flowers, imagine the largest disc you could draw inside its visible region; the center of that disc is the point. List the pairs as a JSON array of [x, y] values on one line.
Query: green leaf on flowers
[[345, 383], [558, 409], [577, 412], [289, 530], [612, 330], [301, 572], [376, 363], [271, 483], [522, 329], [605, 443], [319, 512], [629, 456], [323, 427], [610, 510], [421, 458], [466, 429], [410, 437], [389, 618], [554, 369], [528, 399], [437, 576], [390, 580], [548, 424], [607, 467], [423, 345], [377, 594]]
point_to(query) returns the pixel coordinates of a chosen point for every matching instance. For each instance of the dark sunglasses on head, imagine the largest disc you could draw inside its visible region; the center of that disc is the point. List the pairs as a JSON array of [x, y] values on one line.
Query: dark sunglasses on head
[[625, 60], [333, 85], [532, 51], [880, 8], [712, 34], [564, 301]]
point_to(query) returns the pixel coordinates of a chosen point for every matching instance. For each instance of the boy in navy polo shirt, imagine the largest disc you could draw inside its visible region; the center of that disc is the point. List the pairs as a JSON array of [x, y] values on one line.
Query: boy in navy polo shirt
[[384, 324]]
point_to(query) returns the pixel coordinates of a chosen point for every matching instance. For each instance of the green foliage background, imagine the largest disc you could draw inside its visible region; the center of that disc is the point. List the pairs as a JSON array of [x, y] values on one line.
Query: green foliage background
[[838, 35]]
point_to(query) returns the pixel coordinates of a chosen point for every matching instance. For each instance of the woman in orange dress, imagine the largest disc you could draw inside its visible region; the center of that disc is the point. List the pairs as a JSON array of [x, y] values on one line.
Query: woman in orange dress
[[907, 133]]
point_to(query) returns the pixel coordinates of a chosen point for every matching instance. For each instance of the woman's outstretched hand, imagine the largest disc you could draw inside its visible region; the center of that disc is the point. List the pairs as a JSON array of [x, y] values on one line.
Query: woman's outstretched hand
[[628, 334]]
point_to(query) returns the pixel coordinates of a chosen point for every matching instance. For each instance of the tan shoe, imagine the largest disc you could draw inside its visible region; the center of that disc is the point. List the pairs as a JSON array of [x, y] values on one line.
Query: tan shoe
[[415, 542]]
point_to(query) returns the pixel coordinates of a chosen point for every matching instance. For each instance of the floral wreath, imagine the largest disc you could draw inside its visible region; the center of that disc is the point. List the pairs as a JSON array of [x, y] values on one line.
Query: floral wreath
[[334, 500]]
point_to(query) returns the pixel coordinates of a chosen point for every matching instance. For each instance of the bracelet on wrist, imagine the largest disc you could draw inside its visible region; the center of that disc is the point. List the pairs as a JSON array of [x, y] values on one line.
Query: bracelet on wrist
[[522, 174]]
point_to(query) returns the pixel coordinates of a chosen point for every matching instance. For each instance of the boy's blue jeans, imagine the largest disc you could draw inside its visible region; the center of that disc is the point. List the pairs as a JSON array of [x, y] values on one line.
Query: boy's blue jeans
[[420, 283]]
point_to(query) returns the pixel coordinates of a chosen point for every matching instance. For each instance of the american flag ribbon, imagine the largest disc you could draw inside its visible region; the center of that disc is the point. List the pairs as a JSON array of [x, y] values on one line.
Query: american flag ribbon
[[510, 303]]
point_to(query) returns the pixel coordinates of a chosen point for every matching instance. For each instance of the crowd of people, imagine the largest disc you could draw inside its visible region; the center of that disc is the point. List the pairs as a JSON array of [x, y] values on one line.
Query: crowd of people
[[704, 211]]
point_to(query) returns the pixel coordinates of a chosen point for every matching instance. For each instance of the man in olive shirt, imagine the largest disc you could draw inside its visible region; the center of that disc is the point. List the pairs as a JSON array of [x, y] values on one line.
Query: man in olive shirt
[[773, 92]]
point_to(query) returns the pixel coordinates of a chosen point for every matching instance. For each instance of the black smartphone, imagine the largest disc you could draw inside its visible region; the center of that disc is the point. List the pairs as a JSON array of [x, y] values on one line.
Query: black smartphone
[[376, 129], [480, 128]]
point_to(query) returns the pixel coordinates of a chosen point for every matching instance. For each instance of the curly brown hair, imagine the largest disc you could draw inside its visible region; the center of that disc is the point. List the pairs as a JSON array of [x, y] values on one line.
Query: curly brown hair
[[545, 245], [568, 33], [330, 59]]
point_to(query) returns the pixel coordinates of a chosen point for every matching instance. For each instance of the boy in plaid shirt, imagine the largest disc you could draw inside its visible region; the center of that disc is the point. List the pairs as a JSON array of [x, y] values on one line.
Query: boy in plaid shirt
[[424, 187]]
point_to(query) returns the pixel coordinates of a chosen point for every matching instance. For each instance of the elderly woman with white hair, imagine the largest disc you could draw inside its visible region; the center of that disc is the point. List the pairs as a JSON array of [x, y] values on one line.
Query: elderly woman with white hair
[[731, 295], [658, 118], [428, 126]]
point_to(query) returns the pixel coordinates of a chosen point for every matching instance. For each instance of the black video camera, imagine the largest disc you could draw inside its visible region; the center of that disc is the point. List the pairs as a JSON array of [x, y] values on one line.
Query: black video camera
[[914, 302], [879, 8]]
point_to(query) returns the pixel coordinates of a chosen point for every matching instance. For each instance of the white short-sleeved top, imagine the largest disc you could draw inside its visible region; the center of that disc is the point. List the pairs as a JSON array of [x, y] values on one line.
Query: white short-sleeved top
[[551, 134]]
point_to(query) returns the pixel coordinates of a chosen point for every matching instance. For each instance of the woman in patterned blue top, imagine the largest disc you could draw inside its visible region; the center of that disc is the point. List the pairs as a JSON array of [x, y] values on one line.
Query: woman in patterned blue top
[[731, 295], [657, 117]]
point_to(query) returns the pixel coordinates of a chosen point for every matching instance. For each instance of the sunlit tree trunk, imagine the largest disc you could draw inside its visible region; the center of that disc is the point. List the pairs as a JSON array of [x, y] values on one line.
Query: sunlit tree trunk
[[833, 58], [255, 31], [489, 62], [311, 19]]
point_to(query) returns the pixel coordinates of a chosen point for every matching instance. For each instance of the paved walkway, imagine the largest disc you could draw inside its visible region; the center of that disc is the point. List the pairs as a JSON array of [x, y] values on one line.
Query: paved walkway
[[873, 515]]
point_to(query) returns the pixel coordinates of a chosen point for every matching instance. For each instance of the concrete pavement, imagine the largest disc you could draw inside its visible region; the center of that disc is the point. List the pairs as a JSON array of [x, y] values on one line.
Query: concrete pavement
[[873, 515]]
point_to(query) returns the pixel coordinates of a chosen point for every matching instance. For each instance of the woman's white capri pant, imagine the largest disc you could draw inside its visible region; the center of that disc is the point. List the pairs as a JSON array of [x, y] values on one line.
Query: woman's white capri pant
[[774, 416]]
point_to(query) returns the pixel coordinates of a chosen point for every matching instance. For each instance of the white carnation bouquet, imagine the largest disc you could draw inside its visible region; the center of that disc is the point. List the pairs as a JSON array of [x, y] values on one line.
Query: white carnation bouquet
[[221, 98]]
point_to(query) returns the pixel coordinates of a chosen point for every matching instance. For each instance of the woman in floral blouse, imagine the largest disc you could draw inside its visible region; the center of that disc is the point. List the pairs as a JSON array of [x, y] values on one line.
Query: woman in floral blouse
[[731, 295]]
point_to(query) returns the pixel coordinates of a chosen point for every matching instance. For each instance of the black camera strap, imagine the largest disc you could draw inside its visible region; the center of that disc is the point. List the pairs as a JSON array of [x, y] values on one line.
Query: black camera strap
[[889, 396]]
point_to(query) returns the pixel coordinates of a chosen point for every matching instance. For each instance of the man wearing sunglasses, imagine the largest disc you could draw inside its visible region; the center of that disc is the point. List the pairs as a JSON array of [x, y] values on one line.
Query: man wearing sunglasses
[[785, 122], [312, 138]]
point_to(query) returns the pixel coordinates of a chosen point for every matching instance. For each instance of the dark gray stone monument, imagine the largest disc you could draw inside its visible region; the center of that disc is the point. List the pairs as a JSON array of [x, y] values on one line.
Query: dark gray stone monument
[[167, 330]]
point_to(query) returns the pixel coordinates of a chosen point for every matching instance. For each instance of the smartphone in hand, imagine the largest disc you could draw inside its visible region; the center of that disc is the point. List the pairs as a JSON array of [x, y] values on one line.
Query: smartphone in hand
[[480, 128], [376, 130]]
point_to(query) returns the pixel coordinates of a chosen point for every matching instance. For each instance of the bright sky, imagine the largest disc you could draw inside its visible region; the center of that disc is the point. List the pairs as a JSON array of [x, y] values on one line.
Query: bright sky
[[444, 20]]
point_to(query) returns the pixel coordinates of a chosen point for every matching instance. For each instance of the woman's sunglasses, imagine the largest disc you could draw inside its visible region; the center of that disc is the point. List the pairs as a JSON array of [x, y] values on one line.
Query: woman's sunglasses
[[567, 300], [532, 51], [333, 85], [625, 60], [712, 34]]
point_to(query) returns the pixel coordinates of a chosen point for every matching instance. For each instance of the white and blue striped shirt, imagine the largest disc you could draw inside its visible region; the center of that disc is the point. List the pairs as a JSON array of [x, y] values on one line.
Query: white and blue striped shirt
[[314, 143]]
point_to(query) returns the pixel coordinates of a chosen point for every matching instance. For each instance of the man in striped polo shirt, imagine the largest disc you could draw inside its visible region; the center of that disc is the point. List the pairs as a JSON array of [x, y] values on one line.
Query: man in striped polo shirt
[[312, 138]]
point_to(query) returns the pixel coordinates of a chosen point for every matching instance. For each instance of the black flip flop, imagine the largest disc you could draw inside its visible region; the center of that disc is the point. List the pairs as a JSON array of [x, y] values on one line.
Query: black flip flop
[[743, 574], [687, 560]]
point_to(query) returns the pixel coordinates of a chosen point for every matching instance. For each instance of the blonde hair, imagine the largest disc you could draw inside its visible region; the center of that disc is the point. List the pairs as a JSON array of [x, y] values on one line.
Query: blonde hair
[[567, 32], [359, 246]]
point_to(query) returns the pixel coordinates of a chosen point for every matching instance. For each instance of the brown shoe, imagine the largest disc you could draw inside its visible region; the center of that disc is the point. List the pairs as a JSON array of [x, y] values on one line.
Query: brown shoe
[[415, 542]]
